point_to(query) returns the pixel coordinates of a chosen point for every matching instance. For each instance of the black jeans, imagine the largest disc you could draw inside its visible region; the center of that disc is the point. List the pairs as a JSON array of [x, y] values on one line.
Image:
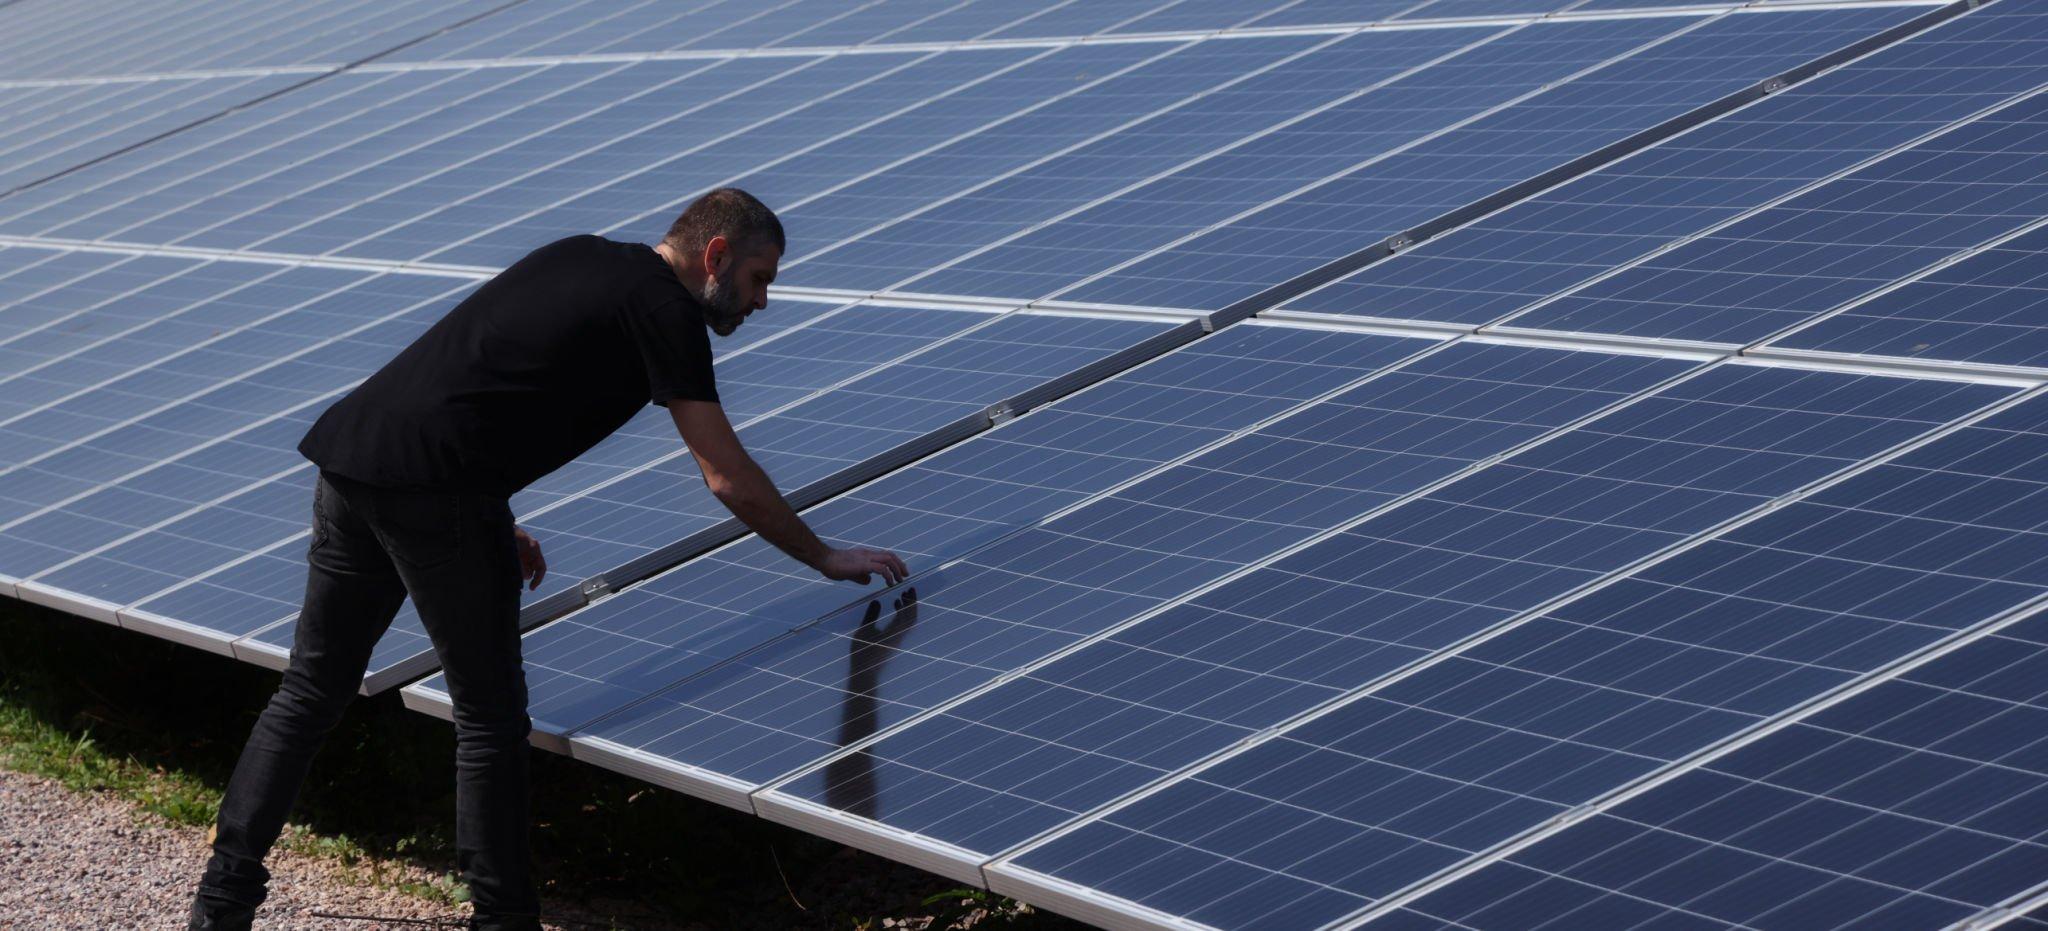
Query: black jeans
[[371, 546]]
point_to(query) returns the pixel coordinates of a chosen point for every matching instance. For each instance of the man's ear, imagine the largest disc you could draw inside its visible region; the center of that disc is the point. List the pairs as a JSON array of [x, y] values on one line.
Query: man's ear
[[717, 253]]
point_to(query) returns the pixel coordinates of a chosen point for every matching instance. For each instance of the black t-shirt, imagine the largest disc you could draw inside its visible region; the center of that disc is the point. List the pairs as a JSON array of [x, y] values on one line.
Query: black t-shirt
[[535, 367]]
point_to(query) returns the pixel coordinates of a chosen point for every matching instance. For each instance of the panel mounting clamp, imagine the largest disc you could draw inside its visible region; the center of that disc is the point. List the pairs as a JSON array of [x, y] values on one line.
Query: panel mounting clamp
[[595, 587]]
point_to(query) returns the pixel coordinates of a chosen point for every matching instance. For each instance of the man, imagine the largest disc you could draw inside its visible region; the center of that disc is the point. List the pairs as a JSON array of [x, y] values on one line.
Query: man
[[416, 464]]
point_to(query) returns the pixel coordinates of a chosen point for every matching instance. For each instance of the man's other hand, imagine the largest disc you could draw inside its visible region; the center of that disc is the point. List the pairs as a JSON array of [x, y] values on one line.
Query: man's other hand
[[857, 564], [531, 566]]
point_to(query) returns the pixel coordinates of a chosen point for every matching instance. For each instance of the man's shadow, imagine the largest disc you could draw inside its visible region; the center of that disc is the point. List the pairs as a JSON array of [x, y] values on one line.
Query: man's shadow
[[850, 780]]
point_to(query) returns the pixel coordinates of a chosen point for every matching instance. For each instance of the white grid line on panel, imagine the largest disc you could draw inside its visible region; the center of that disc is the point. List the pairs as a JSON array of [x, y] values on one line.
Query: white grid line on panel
[[481, 120], [1945, 262], [1205, 157], [651, 166], [1703, 21], [1756, 510], [142, 163], [872, 46], [1456, 650], [137, 418], [1506, 322], [1665, 774], [217, 336], [1076, 146], [1443, 654], [1239, 571], [1621, 165]]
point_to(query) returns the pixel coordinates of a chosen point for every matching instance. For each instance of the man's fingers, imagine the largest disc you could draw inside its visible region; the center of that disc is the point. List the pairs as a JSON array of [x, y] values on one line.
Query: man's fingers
[[897, 569]]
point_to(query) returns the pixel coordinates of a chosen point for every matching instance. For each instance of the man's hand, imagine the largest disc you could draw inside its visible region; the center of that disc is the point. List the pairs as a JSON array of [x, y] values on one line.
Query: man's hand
[[856, 564], [531, 566]]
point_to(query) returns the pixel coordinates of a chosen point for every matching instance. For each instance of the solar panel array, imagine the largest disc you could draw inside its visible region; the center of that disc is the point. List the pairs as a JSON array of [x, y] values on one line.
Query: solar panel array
[[1391, 463]]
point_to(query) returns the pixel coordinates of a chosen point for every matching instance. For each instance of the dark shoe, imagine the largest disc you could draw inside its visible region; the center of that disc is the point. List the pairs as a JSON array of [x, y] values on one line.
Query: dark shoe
[[504, 923], [216, 915]]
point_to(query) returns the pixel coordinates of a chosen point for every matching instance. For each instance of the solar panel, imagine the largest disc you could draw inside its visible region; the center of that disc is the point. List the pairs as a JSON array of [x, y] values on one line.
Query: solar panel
[[1050, 586], [53, 127], [1343, 616], [1715, 63], [1706, 176], [1378, 92], [1496, 734], [1783, 265], [1982, 309], [940, 508], [1064, 739], [981, 187], [1907, 802], [102, 37]]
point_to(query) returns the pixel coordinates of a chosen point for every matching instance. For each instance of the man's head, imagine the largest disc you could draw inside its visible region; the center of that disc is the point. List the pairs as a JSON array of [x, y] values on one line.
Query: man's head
[[725, 247]]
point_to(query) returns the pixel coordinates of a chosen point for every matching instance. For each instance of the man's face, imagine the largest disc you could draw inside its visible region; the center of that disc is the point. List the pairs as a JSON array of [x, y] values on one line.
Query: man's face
[[738, 288]]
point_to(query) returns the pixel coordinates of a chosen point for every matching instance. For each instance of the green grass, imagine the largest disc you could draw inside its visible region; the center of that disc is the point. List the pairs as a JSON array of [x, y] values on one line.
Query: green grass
[[104, 710]]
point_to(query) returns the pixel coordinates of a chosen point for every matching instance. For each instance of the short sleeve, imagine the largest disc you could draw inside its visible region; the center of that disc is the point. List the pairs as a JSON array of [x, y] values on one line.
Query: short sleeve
[[669, 336]]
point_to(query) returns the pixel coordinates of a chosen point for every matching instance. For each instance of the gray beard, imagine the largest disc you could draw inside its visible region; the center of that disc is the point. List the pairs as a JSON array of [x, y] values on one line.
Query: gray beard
[[722, 309]]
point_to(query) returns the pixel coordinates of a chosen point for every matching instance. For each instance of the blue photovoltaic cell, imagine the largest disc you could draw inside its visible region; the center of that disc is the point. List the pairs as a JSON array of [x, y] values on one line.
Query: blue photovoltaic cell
[[966, 21], [237, 181], [570, 27], [1987, 308], [158, 412], [389, 312], [45, 286], [1918, 804], [1481, 74], [1019, 599], [1192, 123], [534, 192], [104, 482], [1547, 243], [793, 177], [105, 37], [1329, 12], [939, 509], [1028, 755], [134, 178], [126, 366], [1211, 15], [1467, 9], [79, 312], [1232, 115], [1078, 19], [953, 105], [1246, 256], [51, 128], [814, 442], [1422, 772], [1781, 266], [1913, 804]]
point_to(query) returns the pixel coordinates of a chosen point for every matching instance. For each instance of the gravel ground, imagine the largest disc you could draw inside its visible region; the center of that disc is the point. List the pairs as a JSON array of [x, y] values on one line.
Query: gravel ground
[[82, 861]]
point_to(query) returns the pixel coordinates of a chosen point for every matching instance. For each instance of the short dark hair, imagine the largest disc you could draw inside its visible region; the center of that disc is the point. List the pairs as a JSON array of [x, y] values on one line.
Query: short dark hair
[[746, 223]]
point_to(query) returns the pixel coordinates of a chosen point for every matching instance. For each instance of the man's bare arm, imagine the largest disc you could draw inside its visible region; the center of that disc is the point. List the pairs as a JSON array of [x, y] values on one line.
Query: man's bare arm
[[739, 483]]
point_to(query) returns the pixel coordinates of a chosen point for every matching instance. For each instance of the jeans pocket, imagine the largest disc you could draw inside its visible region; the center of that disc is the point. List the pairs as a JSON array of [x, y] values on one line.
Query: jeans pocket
[[424, 529]]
